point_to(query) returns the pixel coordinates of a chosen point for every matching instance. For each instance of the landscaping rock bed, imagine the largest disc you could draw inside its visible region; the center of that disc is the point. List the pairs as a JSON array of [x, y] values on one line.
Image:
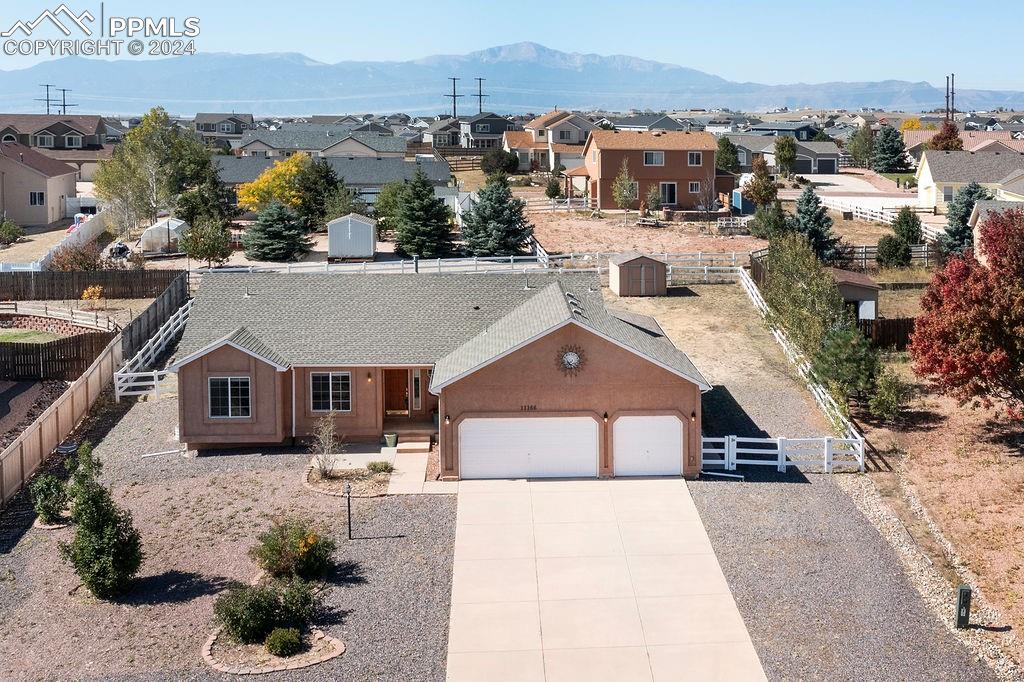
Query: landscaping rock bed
[[364, 483], [226, 656]]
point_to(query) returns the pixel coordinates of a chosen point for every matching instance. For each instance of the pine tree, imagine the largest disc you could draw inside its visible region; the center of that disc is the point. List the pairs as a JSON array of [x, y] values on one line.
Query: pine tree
[[815, 224], [889, 154], [947, 139], [727, 157], [423, 222], [845, 362], [760, 189], [277, 235], [785, 154], [771, 221], [958, 236], [497, 224], [907, 226], [207, 240], [861, 145]]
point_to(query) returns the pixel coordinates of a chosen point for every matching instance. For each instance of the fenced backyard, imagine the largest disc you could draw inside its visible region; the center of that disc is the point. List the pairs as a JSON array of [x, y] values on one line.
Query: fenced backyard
[[138, 332], [65, 358], [67, 286]]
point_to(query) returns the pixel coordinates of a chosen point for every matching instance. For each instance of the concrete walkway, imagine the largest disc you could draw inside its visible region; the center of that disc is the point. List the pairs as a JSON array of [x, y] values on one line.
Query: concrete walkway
[[590, 580], [409, 474]]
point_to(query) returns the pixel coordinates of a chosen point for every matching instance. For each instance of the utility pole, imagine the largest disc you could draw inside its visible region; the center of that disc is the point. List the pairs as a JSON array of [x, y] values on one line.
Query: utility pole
[[480, 94], [947, 99], [454, 97], [64, 101], [952, 93], [46, 99]]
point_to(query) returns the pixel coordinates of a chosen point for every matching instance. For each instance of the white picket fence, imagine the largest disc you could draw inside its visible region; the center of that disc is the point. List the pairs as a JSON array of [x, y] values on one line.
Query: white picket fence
[[566, 204], [135, 377], [726, 452]]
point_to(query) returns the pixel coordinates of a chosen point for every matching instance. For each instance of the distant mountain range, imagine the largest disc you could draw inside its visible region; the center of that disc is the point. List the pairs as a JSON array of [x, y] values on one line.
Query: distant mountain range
[[524, 77]]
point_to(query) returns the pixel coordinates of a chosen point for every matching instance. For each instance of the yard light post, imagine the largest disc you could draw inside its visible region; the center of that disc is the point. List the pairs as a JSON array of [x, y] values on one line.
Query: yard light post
[[348, 498]]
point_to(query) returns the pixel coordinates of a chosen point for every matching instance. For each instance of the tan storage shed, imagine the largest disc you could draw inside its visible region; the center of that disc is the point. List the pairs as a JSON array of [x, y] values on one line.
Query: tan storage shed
[[634, 274]]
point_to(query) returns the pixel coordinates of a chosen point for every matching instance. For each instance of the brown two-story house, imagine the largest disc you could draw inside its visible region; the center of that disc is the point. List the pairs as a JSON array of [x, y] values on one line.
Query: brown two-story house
[[79, 140], [680, 164]]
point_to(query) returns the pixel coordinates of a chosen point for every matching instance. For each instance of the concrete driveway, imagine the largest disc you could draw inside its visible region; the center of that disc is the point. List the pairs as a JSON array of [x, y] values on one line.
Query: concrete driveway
[[590, 580]]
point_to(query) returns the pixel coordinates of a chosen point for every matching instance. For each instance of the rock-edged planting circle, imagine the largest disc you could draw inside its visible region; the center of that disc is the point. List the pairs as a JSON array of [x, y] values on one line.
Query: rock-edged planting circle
[[322, 647], [309, 482]]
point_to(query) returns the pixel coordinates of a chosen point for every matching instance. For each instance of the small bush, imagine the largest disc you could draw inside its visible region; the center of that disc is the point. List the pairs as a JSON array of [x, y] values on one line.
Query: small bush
[[553, 189], [49, 497], [77, 257], [293, 547], [893, 252], [890, 397], [298, 604], [499, 161], [284, 642], [248, 613], [9, 232], [380, 467]]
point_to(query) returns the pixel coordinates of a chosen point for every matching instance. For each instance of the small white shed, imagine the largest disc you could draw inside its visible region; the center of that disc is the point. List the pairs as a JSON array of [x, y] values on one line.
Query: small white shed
[[352, 236], [156, 236]]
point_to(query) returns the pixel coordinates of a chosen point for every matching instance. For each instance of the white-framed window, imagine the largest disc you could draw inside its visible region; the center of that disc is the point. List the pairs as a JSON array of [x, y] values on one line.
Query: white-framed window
[[417, 389], [483, 127], [230, 398], [73, 141], [45, 140], [564, 134], [802, 134], [36, 199], [694, 187], [541, 132], [593, 156], [635, 189], [668, 193], [695, 158], [947, 194], [9, 138], [654, 158], [330, 391], [226, 127]]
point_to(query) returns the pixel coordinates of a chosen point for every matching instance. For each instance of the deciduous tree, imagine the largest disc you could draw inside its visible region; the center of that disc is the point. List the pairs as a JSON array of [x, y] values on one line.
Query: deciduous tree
[[910, 123], [277, 184], [785, 154], [385, 208], [316, 183], [760, 189], [624, 190], [947, 139], [497, 224], [207, 240], [861, 145]]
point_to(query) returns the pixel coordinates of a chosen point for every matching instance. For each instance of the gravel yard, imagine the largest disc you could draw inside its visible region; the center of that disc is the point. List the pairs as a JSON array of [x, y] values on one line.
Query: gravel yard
[[822, 593], [198, 516]]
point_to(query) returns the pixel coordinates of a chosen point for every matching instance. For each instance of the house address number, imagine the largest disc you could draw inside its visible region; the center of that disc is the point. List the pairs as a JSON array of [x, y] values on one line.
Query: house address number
[[527, 408]]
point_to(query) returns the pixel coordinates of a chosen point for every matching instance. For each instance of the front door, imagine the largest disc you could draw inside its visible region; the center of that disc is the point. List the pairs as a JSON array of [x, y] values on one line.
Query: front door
[[396, 392]]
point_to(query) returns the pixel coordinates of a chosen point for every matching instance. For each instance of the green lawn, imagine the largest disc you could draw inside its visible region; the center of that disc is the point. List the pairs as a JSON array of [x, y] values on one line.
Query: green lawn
[[26, 336], [899, 177]]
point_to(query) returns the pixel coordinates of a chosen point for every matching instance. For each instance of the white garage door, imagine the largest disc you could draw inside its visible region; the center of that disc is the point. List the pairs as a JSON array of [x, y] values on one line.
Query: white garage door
[[648, 446], [528, 447]]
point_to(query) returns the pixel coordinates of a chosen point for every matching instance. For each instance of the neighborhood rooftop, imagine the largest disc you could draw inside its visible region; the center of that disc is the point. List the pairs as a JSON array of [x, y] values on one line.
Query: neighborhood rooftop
[[355, 170], [988, 167], [38, 162], [313, 136], [659, 140]]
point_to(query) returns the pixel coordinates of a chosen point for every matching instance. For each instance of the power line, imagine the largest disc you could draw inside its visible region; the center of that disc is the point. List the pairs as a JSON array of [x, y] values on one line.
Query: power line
[[480, 94], [64, 101], [46, 99], [454, 97]]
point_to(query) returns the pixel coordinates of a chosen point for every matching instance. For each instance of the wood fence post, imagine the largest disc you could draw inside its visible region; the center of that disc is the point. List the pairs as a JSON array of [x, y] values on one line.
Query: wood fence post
[[781, 444]]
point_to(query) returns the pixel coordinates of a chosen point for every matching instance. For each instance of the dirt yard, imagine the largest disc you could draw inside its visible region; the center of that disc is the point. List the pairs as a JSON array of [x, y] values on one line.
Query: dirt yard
[[858, 232], [560, 232], [967, 469], [899, 303], [36, 242]]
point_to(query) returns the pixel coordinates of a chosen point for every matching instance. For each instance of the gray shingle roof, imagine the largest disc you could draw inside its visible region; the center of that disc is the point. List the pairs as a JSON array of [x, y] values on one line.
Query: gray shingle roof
[[354, 170], [312, 136], [990, 167], [217, 118], [983, 208], [458, 321], [627, 256]]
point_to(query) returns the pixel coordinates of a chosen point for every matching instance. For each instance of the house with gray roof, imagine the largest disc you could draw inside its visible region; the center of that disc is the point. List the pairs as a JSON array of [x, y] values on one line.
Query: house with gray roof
[[941, 174], [514, 374], [484, 131], [320, 140], [445, 132], [801, 130], [222, 129], [811, 157], [646, 122]]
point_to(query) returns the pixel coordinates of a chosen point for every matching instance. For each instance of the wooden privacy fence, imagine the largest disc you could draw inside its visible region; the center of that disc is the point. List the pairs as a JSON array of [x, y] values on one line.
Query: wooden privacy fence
[[140, 329], [65, 358], [888, 332], [20, 459], [65, 286]]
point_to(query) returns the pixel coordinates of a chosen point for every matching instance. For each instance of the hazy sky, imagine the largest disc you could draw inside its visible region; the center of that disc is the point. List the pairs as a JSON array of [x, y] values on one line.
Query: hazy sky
[[783, 41]]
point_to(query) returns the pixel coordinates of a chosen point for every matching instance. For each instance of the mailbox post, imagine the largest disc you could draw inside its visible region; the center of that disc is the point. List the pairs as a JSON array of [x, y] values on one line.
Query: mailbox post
[[963, 607]]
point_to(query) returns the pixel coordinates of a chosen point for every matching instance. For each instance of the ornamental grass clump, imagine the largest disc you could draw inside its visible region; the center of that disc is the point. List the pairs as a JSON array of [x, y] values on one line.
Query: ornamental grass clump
[[293, 547]]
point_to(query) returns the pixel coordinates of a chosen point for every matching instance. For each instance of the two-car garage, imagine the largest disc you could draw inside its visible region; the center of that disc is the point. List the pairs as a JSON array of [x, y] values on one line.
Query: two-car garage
[[569, 446]]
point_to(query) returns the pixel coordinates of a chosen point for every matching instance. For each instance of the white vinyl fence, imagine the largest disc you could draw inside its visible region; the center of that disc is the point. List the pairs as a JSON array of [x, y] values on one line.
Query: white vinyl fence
[[726, 452], [135, 377], [86, 232]]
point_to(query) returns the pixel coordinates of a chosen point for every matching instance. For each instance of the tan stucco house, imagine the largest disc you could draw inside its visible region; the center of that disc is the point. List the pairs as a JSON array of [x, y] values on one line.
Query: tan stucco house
[[516, 375], [549, 141], [941, 174], [33, 187]]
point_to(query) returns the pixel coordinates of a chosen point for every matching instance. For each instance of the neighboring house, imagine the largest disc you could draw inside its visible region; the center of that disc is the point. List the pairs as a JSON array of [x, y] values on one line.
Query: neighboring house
[[645, 122], [978, 123], [335, 119], [484, 131], [801, 130], [811, 157], [916, 141], [519, 375], [549, 141], [941, 174], [982, 210], [364, 174], [34, 188], [115, 129], [77, 140], [221, 129], [859, 292], [85, 161], [1003, 146], [319, 140], [680, 164], [446, 132]]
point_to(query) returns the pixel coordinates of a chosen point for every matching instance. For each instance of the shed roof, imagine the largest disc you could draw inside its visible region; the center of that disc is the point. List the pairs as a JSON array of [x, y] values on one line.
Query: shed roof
[[850, 277], [629, 256]]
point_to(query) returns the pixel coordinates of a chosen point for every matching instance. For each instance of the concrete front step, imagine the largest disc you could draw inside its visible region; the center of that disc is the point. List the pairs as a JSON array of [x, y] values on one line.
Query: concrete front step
[[414, 446]]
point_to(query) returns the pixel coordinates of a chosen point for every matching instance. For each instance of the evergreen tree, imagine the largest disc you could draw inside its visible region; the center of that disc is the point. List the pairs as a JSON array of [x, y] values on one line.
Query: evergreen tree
[[785, 154], [822, 136], [497, 224], [727, 157], [624, 190], [277, 235], [907, 226], [553, 189], [958, 236], [893, 252], [861, 145], [889, 154], [423, 223], [760, 189], [947, 139], [207, 240], [316, 184], [845, 362], [815, 224], [385, 208], [771, 221]]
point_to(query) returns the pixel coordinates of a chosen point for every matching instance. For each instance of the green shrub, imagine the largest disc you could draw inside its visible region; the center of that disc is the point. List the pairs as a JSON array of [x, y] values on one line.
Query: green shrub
[[9, 232], [893, 252], [553, 189], [284, 642], [293, 547], [380, 467], [890, 397], [907, 226], [106, 551], [298, 604], [499, 161], [49, 497], [248, 613]]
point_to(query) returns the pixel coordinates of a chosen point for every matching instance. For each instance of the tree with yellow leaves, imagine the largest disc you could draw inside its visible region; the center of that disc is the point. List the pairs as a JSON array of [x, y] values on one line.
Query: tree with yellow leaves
[[912, 123], [279, 183]]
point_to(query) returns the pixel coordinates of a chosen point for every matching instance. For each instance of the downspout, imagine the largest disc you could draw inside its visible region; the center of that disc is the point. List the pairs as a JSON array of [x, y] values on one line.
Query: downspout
[[293, 405]]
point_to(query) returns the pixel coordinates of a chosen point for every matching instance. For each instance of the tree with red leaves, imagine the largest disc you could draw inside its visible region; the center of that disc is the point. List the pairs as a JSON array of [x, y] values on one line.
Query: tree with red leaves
[[970, 340], [947, 139]]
